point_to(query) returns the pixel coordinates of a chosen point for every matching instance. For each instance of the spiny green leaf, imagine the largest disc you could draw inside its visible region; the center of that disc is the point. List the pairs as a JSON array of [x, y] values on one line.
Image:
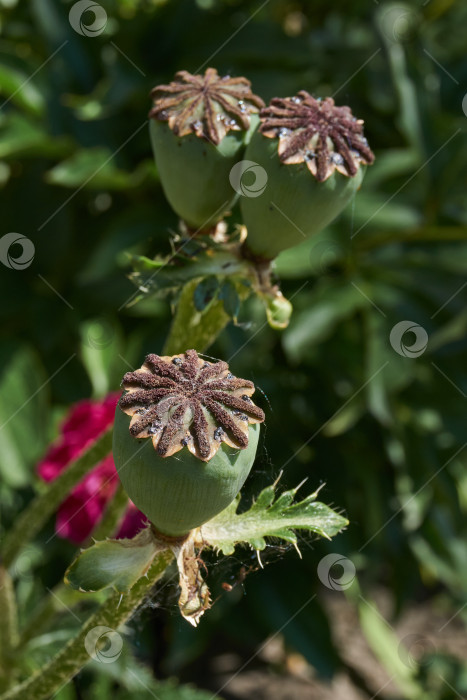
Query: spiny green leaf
[[116, 563], [271, 518]]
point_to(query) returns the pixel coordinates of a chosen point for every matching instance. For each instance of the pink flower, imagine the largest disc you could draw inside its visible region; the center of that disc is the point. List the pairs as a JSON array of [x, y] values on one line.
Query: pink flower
[[84, 507]]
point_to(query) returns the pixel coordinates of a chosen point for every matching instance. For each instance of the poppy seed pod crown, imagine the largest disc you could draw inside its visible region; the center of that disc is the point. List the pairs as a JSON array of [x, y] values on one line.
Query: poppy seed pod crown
[[313, 153], [200, 125], [185, 439]]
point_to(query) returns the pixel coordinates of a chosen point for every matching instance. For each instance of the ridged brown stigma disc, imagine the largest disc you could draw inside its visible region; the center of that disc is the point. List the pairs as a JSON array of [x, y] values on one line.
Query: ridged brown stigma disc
[[185, 438]]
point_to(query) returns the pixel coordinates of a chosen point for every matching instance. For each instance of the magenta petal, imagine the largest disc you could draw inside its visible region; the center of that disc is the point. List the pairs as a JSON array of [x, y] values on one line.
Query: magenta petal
[[77, 519], [83, 508], [133, 522], [56, 459], [89, 418]]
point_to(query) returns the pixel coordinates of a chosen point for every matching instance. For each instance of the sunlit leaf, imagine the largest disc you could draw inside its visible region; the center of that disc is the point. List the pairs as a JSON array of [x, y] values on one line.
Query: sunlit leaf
[[271, 515], [21, 135], [95, 168], [16, 86]]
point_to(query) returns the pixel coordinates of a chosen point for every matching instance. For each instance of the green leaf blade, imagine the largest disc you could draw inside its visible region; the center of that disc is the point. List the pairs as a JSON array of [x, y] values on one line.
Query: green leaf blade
[[115, 563], [269, 518]]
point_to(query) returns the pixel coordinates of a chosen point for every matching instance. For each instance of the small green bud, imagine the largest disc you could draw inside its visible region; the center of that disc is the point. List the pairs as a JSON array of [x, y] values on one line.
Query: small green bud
[[199, 127], [313, 153], [278, 311], [185, 439]]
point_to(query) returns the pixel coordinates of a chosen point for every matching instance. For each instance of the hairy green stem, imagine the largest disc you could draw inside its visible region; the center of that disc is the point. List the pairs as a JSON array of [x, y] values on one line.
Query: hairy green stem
[[113, 613], [113, 515], [36, 514], [62, 597], [9, 624]]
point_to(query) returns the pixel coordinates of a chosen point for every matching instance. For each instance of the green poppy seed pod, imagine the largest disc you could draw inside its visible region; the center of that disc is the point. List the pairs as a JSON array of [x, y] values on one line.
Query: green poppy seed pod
[[185, 439], [199, 127], [314, 154]]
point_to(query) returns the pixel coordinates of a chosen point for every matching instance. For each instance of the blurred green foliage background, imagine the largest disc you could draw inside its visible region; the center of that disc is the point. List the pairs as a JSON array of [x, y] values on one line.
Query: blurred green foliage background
[[385, 433]]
